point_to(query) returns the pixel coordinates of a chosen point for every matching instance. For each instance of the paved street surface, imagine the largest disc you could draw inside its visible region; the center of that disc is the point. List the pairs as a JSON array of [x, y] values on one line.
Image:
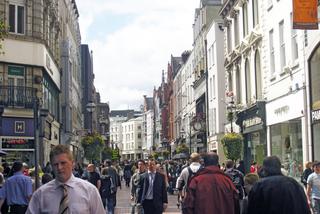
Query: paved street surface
[[124, 204]]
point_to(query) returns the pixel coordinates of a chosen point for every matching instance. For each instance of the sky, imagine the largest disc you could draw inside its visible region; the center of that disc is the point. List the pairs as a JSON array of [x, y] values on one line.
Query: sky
[[132, 42]]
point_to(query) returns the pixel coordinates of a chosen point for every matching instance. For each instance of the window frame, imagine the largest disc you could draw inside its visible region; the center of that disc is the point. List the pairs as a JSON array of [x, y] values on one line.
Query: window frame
[[16, 18]]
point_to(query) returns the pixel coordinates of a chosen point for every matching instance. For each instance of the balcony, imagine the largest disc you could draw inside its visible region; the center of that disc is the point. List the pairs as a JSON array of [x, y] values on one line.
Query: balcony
[[17, 96]]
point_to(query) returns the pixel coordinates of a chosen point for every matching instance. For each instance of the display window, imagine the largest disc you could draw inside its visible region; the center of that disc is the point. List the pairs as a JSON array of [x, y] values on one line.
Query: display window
[[286, 143]]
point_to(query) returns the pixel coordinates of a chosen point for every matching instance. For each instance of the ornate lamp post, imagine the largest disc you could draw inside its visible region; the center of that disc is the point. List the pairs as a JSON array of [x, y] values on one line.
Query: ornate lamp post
[[90, 108], [231, 108]]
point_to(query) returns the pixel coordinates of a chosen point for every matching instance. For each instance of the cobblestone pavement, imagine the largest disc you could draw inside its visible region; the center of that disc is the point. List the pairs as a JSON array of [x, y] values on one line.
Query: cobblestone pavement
[[124, 204]]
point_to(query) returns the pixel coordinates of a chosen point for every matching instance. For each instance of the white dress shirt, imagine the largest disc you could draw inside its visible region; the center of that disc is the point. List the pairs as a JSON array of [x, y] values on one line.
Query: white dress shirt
[[84, 198]]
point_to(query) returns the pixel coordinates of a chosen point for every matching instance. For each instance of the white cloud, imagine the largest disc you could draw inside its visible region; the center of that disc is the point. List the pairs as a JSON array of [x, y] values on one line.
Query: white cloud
[[128, 62]]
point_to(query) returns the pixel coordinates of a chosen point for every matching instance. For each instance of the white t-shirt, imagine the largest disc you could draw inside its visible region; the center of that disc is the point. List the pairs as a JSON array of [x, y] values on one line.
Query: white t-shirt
[[314, 182]]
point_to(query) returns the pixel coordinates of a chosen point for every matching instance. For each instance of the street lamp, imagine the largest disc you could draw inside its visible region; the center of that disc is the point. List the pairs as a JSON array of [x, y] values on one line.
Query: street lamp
[[90, 108], [231, 107], [38, 116]]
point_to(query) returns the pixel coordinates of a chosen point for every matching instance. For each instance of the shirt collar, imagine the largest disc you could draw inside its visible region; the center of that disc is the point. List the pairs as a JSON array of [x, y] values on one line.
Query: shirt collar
[[69, 183]]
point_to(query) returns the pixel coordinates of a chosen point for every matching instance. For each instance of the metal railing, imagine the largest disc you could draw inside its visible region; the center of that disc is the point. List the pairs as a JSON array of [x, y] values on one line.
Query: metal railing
[[17, 96]]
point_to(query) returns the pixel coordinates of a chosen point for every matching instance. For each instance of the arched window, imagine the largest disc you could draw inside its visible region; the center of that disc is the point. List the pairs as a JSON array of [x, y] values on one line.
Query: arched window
[[257, 68], [248, 82]]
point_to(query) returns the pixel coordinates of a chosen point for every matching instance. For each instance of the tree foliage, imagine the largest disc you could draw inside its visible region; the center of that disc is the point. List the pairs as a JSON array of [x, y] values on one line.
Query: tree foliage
[[182, 148], [232, 145], [3, 33], [92, 145]]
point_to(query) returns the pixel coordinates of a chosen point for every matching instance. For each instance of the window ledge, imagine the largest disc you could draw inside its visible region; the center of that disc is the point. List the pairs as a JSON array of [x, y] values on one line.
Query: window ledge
[[272, 78]]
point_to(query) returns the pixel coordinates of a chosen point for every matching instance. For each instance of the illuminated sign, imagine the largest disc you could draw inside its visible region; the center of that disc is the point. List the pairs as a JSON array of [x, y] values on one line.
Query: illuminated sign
[[13, 143], [19, 127]]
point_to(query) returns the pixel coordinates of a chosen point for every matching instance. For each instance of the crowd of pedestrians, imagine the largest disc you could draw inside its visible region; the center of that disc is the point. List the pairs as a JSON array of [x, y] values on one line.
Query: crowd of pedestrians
[[202, 185]]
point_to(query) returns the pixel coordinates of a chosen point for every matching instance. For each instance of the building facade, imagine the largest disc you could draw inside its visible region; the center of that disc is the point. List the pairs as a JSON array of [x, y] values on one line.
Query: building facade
[[216, 87], [132, 139], [30, 81], [243, 24]]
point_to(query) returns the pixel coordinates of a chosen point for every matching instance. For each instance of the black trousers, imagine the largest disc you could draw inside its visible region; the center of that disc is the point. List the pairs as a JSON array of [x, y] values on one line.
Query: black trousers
[[18, 209], [149, 208]]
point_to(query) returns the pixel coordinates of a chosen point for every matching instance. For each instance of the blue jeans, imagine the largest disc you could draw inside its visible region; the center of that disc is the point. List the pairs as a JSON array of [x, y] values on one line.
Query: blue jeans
[[110, 205], [315, 205]]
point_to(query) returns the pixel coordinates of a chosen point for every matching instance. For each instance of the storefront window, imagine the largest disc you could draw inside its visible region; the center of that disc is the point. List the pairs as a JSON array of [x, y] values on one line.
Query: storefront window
[[315, 101], [258, 147], [316, 140], [286, 143]]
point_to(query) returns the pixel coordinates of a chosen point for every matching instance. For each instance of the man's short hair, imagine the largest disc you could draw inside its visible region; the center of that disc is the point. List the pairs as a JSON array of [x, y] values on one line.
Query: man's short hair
[[316, 163], [195, 157], [211, 159], [17, 166], [60, 149], [271, 166], [229, 164], [107, 162], [142, 161], [250, 178]]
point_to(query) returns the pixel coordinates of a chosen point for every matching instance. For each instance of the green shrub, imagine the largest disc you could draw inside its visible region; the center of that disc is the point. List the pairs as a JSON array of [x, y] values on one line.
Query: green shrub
[[232, 145]]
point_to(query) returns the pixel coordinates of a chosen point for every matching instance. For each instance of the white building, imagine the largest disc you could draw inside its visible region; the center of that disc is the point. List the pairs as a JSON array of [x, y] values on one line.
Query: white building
[[147, 128], [183, 91], [132, 139], [216, 87], [245, 77], [293, 88]]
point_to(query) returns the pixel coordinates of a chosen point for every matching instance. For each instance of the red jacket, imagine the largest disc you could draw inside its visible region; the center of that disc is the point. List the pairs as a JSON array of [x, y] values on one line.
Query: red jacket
[[210, 192]]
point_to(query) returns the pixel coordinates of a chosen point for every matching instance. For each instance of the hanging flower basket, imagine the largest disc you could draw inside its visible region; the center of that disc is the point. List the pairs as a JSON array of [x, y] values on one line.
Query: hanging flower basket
[[232, 145]]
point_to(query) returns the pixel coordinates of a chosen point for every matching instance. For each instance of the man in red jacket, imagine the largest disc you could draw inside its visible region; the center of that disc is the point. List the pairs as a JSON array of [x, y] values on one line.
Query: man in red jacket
[[211, 191]]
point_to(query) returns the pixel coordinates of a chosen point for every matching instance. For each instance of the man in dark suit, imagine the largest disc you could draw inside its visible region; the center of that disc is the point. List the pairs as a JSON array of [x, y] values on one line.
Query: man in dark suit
[[154, 197]]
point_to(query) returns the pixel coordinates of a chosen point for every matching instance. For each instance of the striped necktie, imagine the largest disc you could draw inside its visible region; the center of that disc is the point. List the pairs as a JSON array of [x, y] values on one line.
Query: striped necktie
[[63, 208]]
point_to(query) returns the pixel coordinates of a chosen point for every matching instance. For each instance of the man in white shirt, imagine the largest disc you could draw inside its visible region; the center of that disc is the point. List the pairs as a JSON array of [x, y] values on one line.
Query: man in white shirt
[[66, 193], [186, 173], [313, 188]]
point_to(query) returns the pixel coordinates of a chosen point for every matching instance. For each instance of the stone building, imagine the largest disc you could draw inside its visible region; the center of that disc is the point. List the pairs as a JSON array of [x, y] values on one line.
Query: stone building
[[43, 79]]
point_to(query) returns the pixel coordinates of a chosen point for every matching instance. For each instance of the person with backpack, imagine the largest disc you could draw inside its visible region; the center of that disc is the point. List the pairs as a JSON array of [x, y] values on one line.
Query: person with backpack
[[186, 174], [211, 190], [108, 191], [236, 177]]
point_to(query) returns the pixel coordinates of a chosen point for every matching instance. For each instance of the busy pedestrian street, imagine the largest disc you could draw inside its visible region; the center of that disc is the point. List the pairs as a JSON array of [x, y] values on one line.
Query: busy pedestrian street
[[159, 106]]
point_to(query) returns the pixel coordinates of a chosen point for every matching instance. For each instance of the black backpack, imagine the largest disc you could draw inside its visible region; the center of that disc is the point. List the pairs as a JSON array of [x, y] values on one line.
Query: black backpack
[[191, 175], [237, 179], [107, 187]]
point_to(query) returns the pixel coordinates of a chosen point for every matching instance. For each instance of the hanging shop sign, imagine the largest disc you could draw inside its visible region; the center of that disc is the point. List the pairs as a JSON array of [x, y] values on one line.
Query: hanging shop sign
[[305, 14]]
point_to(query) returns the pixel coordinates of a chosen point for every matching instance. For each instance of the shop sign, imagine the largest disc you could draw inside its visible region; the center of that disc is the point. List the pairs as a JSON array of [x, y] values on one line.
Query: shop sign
[[251, 122], [11, 143], [305, 14], [315, 115], [281, 110], [19, 127]]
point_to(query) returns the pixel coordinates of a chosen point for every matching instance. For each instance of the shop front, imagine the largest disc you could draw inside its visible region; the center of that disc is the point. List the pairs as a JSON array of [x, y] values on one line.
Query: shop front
[[314, 76], [252, 123], [285, 126], [17, 139]]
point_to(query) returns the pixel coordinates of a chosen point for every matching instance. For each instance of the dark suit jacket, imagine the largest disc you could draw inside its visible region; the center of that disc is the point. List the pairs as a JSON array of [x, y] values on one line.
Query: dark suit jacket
[[159, 190]]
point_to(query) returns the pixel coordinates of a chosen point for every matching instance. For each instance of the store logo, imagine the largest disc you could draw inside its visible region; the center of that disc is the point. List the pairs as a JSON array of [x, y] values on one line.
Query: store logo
[[19, 127], [315, 115]]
